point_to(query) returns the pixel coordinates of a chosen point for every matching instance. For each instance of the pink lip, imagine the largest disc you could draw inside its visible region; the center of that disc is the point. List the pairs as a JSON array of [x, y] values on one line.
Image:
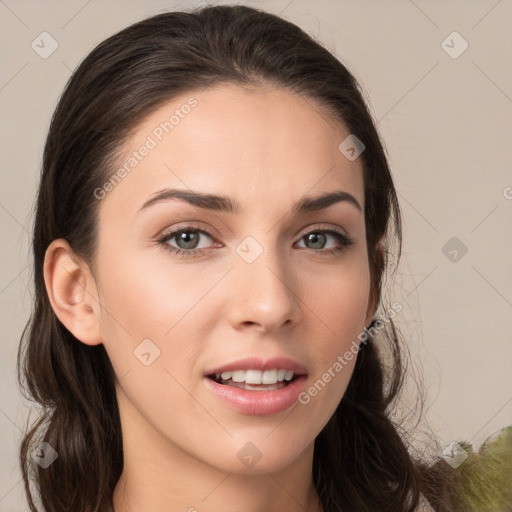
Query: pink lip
[[259, 403], [254, 363]]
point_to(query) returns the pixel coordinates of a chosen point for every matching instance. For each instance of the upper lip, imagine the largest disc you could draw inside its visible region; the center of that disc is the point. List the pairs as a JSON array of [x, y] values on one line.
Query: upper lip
[[255, 363]]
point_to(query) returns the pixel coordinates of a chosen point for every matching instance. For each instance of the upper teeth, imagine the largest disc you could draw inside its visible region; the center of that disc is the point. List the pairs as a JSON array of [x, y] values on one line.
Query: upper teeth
[[257, 376]]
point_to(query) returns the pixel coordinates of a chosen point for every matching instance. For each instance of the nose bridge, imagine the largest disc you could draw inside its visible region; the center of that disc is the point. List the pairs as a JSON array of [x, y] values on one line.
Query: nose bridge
[[265, 287]]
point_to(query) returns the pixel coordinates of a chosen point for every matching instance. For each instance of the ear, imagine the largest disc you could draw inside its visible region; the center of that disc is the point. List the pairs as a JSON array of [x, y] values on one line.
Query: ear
[[373, 301], [72, 292]]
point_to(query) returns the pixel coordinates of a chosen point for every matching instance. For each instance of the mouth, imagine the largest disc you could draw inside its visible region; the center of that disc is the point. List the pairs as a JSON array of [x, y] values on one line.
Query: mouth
[[253, 386], [256, 380]]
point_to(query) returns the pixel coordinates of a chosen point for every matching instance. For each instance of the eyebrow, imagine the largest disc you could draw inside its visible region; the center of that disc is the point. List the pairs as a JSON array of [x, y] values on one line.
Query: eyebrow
[[226, 204]]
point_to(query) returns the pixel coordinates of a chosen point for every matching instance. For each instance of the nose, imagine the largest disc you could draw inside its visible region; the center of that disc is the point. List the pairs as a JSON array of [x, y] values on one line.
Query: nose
[[266, 294]]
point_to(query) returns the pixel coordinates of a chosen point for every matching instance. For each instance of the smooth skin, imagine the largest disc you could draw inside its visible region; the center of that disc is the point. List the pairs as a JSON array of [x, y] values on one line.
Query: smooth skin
[[266, 149]]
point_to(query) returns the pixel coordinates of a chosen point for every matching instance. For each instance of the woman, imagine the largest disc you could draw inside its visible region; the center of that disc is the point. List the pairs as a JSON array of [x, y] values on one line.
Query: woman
[[214, 220]]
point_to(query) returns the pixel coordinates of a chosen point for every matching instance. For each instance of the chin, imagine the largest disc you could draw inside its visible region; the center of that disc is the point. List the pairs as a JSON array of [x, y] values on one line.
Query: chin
[[260, 454]]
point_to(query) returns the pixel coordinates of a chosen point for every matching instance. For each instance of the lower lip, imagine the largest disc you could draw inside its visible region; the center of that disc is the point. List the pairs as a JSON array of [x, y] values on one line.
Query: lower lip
[[258, 403]]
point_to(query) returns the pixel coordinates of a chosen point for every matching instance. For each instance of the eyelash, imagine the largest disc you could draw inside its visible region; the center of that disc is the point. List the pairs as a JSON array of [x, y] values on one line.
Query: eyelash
[[343, 239]]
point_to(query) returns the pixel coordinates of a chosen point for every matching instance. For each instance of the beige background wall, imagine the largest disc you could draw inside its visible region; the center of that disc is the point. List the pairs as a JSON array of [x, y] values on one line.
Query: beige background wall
[[447, 125]]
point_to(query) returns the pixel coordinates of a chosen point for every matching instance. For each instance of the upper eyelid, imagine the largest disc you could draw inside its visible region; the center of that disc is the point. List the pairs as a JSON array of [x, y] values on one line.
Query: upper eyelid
[[169, 233]]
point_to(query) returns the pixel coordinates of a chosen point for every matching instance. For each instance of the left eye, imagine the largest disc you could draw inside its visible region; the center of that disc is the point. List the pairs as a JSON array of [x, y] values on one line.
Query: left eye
[[320, 237]]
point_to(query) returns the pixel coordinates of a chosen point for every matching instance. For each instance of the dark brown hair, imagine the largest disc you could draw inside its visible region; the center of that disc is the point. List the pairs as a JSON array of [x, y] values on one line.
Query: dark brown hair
[[361, 461]]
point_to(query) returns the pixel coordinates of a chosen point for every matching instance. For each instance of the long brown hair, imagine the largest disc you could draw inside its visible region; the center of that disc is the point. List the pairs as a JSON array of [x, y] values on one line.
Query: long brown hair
[[361, 462]]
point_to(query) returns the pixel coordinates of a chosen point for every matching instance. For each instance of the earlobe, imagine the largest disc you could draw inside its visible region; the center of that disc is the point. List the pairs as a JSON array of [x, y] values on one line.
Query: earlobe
[[72, 292], [372, 308], [373, 301]]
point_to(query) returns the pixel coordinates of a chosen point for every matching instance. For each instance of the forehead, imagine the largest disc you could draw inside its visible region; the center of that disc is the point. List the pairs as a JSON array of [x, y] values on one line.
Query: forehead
[[255, 144]]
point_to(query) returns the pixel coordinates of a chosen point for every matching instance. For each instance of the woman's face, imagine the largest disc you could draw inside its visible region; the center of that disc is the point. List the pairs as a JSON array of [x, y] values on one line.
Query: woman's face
[[263, 281]]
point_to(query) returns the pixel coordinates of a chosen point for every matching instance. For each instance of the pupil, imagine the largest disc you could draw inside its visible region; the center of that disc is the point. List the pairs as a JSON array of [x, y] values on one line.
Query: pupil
[[314, 237], [185, 237]]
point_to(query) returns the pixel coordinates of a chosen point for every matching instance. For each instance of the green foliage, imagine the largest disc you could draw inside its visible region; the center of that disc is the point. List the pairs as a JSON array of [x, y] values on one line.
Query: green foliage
[[484, 482]]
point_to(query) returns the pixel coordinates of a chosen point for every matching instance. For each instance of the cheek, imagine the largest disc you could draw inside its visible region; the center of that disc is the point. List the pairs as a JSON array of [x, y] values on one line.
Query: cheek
[[150, 300], [340, 301], [341, 306], [154, 329]]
